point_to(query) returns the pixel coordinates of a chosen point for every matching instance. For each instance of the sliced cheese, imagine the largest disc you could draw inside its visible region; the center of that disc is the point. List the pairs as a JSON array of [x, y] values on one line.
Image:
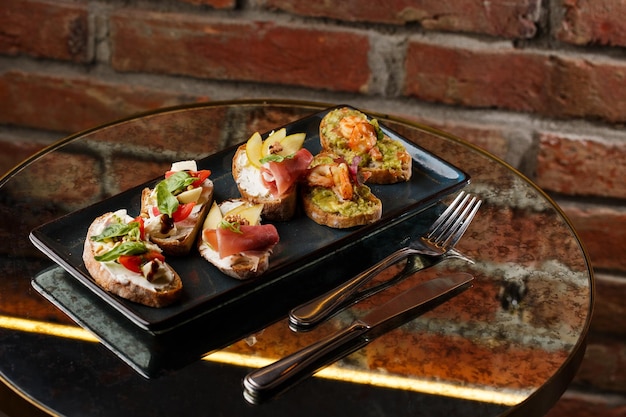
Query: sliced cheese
[[184, 166]]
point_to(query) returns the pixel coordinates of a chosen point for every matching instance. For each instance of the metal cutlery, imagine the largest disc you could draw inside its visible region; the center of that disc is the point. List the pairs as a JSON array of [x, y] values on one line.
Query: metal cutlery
[[434, 246], [265, 383]]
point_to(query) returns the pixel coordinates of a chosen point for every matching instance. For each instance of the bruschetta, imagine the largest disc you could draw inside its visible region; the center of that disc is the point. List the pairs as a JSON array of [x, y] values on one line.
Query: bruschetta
[[350, 134], [268, 171], [123, 262], [176, 207], [234, 240], [334, 196]]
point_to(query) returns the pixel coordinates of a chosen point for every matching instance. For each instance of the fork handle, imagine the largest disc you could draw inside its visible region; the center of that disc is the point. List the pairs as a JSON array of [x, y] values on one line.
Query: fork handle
[[309, 314]]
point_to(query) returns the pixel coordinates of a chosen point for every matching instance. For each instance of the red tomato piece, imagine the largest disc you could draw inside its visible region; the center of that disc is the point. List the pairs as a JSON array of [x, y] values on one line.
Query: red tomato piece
[[149, 256], [134, 262], [183, 211], [131, 262], [201, 175]]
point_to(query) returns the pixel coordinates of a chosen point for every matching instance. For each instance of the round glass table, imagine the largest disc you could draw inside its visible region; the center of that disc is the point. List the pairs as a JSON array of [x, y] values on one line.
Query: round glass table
[[509, 345]]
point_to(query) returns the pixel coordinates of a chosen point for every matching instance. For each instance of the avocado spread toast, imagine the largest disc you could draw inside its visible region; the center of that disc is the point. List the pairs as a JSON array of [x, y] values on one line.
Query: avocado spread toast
[[349, 133]]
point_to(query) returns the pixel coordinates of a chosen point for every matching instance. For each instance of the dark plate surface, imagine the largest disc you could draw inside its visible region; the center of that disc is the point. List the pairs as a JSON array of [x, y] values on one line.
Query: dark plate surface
[[154, 355], [303, 243]]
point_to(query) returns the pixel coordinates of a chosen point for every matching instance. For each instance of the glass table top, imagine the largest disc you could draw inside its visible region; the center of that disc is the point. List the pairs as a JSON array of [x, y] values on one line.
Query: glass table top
[[509, 345]]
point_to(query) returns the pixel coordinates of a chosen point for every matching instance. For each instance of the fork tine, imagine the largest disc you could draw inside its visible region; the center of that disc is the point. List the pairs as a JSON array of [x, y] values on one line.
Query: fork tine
[[443, 217], [447, 221], [462, 223]]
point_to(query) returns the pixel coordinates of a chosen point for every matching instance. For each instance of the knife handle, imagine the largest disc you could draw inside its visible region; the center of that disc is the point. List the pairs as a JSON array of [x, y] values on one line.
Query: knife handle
[[311, 313], [275, 378]]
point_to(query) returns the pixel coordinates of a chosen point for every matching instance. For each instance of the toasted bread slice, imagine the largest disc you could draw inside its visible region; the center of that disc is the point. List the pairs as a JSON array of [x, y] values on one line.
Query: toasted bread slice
[[179, 240], [176, 237], [350, 134], [333, 198], [252, 189], [241, 265], [116, 279], [369, 210]]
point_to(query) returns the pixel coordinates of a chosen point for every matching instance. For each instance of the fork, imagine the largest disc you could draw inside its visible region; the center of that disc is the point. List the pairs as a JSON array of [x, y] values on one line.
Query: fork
[[431, 248]]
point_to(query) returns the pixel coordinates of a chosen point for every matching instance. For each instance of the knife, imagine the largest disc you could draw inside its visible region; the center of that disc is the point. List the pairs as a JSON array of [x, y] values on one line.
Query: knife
[[271, 380]]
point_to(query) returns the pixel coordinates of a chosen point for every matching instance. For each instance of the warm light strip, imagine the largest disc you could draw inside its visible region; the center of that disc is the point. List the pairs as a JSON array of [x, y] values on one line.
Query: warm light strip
[[331, 372], [387, 381], [60, 330]]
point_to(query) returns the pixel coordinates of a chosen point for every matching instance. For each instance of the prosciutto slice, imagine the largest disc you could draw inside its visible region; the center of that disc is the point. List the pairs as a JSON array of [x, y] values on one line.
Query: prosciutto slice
[[279, 177], [252, 238]]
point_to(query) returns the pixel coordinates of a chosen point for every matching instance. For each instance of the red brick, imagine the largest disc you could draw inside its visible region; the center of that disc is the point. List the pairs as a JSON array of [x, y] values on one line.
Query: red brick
[[459, 359], [577, 404], [70, 104], [604, 365], [528, 81], [13, 153], [18, 296], [610, 296], [46, 29], [270, 117], [603, 232], [216, 4], [586, 87], [504, 19], [77, 179], [585, 22], [493, 139], [240, 51], [487, 77], [577, 166]]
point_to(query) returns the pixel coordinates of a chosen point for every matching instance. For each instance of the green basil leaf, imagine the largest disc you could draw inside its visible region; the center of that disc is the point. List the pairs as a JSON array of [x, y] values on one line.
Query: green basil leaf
[[125, 248], [178, 181], [275, 158], [166, 190], [232, 226], [166, 202], [114, 230]]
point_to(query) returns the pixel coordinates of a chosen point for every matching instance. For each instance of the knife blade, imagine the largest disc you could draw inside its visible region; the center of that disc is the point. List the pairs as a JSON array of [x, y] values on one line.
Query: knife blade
[[271, 380]]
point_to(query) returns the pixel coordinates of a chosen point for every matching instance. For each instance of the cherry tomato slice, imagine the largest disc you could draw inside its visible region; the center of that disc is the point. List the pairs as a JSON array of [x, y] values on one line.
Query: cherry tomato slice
[[201, 175], [131, 262], [183, 211], [147, 257], [134, 262]]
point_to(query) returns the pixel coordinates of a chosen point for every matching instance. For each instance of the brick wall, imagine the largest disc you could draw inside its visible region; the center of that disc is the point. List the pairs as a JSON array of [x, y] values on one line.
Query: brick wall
[[539, 83]]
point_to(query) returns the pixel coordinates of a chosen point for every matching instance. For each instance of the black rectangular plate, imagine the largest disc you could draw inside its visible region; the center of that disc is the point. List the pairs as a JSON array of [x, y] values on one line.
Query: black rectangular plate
[[303, 243]]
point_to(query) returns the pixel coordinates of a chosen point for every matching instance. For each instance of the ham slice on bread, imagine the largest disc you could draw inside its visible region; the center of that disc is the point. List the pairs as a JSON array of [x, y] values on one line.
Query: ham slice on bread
[[280, 177], [234, 240], [269, 175]]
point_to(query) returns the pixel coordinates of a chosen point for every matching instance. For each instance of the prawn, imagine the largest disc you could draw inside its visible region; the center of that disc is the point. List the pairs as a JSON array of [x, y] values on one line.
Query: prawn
[[361, 135], [336, 177]]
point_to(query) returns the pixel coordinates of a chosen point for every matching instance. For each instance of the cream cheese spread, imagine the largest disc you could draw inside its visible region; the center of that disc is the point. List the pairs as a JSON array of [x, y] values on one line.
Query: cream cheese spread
[[163, 276], [249, 178]]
